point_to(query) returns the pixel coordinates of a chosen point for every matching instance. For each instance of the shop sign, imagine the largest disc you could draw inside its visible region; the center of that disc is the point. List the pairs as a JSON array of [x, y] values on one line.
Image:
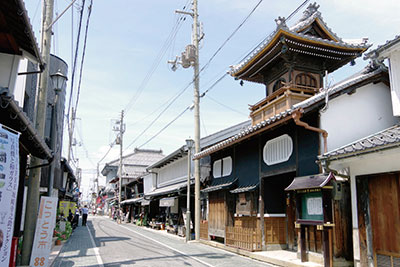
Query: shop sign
[[9, 179], [44, 232], [168, 202]]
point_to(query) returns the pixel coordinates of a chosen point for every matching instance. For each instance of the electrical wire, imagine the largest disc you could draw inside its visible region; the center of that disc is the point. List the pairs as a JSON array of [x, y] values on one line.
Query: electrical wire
[[159, 115], [226, 106], [202, 69], [230, 36], [83, 145], [108, 151], [171, 37], [165, 127], [74, 64], [83, 55]]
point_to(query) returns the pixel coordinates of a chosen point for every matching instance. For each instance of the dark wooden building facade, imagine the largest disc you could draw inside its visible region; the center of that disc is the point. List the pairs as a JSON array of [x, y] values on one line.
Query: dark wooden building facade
[[248, 204]]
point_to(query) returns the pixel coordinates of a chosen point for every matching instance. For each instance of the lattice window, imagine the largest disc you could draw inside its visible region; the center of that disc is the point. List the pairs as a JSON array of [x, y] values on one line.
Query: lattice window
[[305, 79], [222, 167], [278, 150]]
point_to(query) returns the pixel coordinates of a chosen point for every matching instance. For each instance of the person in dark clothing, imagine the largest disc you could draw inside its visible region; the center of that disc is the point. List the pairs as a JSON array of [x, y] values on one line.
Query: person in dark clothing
[[85, 212], [70, 216], [76, 219]]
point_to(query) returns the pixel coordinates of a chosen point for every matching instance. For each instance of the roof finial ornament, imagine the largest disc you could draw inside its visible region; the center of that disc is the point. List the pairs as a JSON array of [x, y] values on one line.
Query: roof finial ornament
[[281, 22], [310, 10]]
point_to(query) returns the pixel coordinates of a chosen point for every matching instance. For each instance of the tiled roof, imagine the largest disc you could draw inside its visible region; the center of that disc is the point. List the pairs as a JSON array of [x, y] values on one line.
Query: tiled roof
[[168, 189], [141, 157], [244, 133], [223, 134], [311, 14], [17, 23], [131, 171], [365, 74], [311, 181], [307, 20], [204, 142], [219, 186], [135, 164], [387, 138], [243, 189], [381, 48]]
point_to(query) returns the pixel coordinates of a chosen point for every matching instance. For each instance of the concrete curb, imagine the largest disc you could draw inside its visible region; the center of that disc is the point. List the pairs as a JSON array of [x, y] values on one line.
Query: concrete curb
[[259, 257]]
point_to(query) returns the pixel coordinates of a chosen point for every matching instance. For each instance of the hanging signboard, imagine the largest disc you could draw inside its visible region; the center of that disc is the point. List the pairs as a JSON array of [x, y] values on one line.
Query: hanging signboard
[[9, 178], [44, 231]]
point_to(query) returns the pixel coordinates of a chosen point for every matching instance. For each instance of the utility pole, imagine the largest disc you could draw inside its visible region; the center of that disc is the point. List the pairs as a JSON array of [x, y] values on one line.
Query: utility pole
[[70, 134], [33, 196], [191, 58], [196, 123], [121, 134]]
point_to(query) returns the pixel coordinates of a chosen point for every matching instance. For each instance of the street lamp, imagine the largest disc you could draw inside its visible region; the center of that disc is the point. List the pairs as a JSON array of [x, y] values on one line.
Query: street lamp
[[189, 145], [59, 80]]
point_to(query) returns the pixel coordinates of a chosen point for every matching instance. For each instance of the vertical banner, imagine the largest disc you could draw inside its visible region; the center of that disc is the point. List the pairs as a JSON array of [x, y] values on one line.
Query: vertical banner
[[44, 231], [9, 179], [64, 208]]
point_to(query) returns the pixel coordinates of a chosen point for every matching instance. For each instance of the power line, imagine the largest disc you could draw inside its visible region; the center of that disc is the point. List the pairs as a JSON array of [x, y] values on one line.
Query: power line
[[75, 60], [83, 54], [156, 63], [108, 151], [204, 67], [230, 36], [159, 115], [296, 10], [165, 127], [226, 106]]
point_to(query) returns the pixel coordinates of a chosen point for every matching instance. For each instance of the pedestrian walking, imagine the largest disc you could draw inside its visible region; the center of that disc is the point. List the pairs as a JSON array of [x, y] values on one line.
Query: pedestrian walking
[[70, 216], [76, 218], [85, 212]]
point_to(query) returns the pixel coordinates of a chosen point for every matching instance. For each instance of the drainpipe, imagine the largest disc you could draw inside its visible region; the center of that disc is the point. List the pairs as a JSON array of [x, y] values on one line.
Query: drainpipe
[[296, 115]]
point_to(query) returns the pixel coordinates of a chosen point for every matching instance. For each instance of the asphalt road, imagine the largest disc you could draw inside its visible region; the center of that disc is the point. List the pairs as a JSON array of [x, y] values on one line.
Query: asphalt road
[[106, 243]]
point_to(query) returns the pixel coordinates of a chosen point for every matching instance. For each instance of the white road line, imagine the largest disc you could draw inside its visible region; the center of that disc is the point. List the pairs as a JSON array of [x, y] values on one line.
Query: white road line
[[96, 250], [158, 242]]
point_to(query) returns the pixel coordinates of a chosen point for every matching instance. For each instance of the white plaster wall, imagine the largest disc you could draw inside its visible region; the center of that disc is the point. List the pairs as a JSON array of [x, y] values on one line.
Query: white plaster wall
[[394, 71], [352, 117], [8, 70], [20, 85], [374, 163], [172, 173], [149, 182]]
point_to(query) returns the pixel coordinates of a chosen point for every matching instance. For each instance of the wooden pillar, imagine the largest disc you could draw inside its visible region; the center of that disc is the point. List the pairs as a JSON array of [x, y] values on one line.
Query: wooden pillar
[[261, 211], [261, 194], [303, 249], [327, 245]]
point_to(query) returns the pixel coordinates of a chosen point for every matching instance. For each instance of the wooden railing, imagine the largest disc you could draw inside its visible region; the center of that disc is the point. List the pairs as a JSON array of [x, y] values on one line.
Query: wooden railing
[[204, 230], [279, 101], [243, 238]]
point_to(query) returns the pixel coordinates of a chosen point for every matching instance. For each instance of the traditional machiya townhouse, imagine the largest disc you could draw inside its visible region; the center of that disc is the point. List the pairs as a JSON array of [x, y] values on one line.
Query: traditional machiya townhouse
[[167, 183], [133, 168], [255, 202], [17, 43], [368, 153]]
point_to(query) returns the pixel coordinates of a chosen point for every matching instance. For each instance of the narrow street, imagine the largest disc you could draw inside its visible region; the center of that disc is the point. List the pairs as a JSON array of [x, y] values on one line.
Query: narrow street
[[112, 244]]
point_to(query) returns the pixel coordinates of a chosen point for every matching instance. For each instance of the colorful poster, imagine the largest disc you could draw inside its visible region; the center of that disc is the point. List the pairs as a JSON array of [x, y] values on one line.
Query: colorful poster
[[66, 206], [9, 178], [44, 231]]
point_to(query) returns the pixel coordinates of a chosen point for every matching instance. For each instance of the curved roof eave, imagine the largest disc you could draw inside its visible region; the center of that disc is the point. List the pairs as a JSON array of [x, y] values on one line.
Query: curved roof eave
[[263, 49]]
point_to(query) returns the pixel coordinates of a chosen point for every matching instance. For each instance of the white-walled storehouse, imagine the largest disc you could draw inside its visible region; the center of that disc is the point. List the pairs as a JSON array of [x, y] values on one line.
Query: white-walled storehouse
[[365, 147]]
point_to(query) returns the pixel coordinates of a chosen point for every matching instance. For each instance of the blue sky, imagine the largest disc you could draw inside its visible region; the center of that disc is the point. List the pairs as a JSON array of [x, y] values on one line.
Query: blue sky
[[125, 38]]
